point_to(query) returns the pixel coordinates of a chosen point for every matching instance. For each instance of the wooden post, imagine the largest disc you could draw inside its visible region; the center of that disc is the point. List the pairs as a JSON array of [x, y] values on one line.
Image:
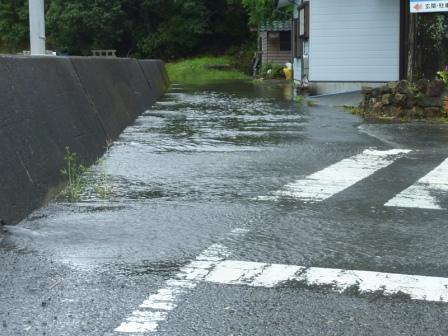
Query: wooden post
[[411, 46]]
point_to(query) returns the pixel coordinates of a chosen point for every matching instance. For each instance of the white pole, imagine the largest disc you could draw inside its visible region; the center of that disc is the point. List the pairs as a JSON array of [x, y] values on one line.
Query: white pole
[[37, 27]]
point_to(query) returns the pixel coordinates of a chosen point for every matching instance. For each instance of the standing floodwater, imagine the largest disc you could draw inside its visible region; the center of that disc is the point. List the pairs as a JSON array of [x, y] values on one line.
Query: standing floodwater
[[190, 144], [199, 144], [231, 208]]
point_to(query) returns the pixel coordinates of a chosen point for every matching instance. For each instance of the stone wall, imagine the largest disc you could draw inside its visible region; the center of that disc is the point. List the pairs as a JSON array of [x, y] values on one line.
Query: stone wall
[[424, 99]]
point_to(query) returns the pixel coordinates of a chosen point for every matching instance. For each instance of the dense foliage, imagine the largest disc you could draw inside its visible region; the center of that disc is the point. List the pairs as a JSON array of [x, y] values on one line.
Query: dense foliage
[[431, 50], [13, 24], [143, 28], [261, 11], [156, 28]]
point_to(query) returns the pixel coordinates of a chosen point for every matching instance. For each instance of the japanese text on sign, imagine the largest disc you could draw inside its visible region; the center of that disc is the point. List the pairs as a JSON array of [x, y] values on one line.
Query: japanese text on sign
[[419, 6]]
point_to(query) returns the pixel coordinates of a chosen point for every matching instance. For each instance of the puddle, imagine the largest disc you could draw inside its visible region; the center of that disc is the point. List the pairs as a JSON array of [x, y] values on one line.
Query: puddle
[[183, 169]]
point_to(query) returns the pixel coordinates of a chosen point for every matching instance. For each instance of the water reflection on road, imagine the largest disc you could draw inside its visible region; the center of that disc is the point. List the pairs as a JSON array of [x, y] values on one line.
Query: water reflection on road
[[182, 169], [194, 166], [180, 134]]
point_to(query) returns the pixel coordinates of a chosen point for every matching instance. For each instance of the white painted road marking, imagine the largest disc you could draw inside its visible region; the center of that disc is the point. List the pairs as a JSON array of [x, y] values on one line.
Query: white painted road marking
[[340, 176], [211, 266], [156, 307], [254, 274], [423, 194]]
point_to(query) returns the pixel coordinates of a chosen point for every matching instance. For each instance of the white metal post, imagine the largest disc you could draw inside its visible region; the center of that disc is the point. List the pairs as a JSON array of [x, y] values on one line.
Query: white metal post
[[37, 27]]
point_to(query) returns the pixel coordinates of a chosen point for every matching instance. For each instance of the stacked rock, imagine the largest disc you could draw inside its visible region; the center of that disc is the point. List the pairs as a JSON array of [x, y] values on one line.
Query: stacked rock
[[423, 99]]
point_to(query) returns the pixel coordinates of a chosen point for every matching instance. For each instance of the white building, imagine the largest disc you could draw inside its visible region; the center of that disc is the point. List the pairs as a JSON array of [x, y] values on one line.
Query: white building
[[341, 45]]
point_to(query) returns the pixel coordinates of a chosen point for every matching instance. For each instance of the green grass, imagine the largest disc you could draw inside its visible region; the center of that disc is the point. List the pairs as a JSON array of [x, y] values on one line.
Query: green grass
[[354, 110], [379, 117], [302, 100], [299, 99], [194, 70], [73, 173]]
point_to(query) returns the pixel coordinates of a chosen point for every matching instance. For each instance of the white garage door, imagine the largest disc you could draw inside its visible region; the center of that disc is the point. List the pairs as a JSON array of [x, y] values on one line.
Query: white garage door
[[354, 40]]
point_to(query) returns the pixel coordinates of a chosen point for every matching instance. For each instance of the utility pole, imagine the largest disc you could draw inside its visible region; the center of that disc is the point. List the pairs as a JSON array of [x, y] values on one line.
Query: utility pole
[[37, 27]]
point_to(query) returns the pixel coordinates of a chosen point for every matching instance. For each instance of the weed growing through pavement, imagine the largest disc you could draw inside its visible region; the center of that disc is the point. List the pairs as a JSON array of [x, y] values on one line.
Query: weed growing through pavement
[[354, 110], [299, 99], [302, 100], [79, 177], [73, 173]]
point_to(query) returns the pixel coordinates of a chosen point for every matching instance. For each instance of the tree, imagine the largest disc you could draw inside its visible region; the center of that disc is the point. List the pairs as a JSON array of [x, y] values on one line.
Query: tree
[[262, 11], [431, 44], [166, 29], [77, 27], [196, 26], [14, 29]]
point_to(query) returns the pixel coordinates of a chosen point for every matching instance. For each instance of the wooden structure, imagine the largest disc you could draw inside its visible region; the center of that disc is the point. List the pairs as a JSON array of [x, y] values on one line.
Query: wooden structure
[[105, 53], [274, 42]]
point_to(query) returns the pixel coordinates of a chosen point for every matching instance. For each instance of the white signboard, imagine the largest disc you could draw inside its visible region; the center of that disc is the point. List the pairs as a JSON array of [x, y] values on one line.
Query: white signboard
[[428, 6]]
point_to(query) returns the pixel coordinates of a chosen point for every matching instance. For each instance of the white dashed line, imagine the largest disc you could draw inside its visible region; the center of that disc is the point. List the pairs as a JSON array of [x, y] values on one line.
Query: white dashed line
[[423, 194], [418, 287], [339, 176], [156, 307]]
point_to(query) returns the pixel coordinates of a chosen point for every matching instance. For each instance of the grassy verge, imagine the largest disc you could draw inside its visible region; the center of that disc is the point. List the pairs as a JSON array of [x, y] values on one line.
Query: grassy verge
[[301, 100], [380, 117], [201, 69]]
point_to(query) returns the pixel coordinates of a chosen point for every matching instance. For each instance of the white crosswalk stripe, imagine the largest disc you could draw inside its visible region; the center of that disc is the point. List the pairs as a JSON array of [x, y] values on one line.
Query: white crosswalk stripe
[[340, 176], [423, 194], [417, 287], [212, 266], [156, 308]]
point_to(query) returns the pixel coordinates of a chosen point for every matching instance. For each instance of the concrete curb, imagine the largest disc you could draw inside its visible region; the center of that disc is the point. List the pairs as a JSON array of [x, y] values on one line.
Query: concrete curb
[[353, 98]]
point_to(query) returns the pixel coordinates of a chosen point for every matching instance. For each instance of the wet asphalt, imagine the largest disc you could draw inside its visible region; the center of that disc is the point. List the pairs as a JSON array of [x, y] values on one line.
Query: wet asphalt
[[189, 171]]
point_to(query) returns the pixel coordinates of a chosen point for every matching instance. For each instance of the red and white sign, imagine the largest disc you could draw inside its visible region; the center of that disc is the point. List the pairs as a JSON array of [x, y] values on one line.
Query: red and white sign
[[418, 6]]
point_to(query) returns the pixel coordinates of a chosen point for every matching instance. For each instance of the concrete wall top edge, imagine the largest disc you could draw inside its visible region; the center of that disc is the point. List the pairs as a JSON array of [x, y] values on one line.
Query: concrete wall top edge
[[75, 56]]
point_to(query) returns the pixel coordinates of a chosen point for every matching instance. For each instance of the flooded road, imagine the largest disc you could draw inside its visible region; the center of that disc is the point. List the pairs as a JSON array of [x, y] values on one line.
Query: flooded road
[[206, 161]]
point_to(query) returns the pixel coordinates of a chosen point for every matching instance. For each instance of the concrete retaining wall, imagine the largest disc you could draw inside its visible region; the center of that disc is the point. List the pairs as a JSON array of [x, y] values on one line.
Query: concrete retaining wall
[[48, 103], [156, 74]]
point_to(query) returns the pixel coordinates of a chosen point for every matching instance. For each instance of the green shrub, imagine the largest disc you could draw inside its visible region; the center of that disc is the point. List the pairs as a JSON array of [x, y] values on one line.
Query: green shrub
[[443, 75], [241, 57], [272, 71], [354, 110]]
